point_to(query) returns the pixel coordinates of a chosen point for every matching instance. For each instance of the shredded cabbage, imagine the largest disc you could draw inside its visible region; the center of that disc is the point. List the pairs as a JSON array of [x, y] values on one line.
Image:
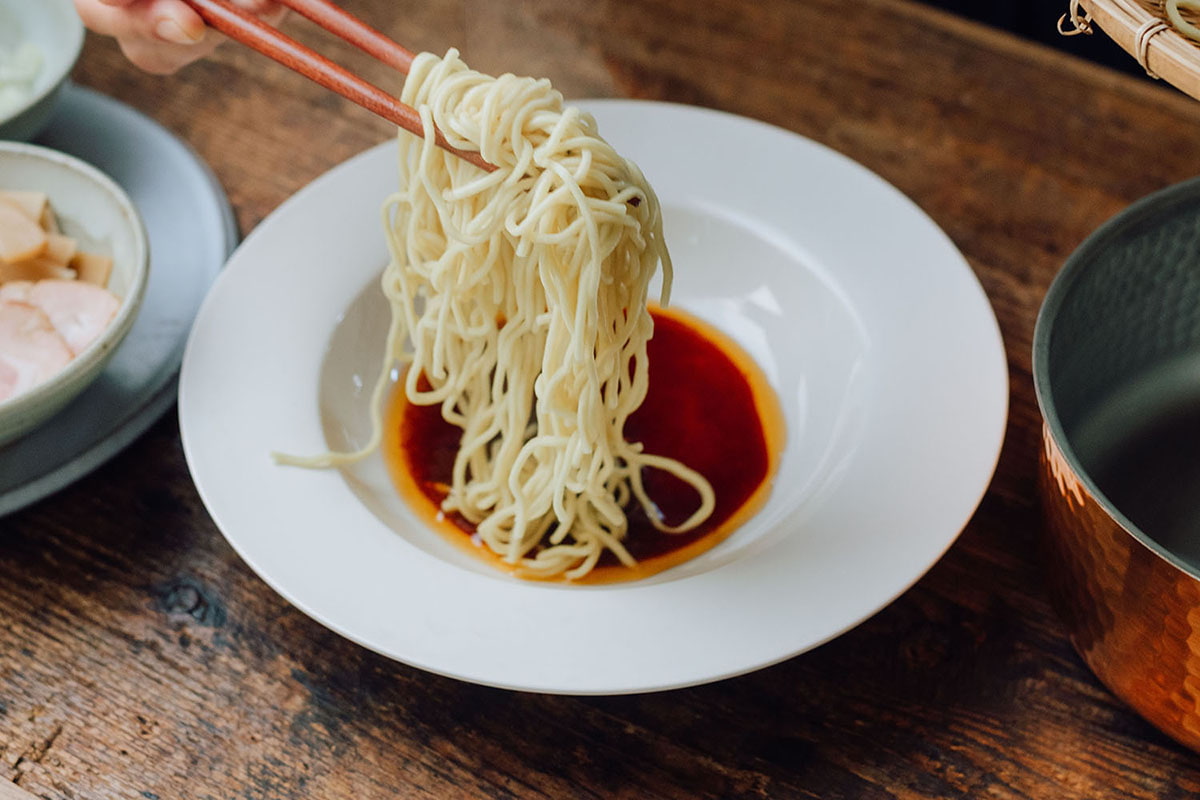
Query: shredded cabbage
[[19, 68]]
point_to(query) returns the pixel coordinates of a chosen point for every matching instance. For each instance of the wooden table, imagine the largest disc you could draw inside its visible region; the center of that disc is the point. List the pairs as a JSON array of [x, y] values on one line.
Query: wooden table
[[140, 658]]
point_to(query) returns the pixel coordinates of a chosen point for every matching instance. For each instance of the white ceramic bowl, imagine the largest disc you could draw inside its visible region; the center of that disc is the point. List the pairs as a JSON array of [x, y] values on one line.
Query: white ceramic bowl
[[97, 212], [54, 28]]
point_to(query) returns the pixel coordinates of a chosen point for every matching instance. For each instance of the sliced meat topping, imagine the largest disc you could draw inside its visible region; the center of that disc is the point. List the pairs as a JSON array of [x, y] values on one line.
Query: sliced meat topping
[[79, 311], [31, 350]]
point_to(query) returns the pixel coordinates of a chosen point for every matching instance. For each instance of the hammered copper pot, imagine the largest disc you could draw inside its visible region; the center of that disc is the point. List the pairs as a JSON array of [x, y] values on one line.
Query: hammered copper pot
[[1117, 371]]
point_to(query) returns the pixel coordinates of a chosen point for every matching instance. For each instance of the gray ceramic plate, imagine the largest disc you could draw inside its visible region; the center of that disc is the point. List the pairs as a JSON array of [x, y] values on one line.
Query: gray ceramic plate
[[192, 232]]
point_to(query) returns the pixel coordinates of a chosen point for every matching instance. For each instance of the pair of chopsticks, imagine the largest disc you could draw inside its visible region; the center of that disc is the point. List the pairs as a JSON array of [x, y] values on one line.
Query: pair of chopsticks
[[247, 29]]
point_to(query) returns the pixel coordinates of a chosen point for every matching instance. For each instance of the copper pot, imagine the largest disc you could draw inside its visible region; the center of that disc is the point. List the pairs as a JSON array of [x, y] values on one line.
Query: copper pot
[[1117, 372]]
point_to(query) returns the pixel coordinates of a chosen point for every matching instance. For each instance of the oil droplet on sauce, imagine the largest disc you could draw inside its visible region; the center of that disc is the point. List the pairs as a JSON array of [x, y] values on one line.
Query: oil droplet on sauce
[[708, 405]]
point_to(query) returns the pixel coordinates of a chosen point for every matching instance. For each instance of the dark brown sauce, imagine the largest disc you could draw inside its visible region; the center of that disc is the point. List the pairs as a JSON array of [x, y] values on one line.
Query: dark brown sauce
[[708, 406]]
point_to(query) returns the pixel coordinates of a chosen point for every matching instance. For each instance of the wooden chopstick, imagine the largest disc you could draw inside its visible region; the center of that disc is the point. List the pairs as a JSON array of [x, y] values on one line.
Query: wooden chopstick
[[244, 27], [349, 27]]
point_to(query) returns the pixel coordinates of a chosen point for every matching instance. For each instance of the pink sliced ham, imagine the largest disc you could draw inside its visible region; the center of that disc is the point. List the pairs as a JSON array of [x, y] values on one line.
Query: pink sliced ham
[[31, 349], [10, 378], [16, 290], [79, 311]]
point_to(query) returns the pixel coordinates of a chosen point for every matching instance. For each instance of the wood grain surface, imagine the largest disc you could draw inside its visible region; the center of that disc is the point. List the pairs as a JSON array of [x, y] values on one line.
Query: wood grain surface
[[140, 658], [10, 791]]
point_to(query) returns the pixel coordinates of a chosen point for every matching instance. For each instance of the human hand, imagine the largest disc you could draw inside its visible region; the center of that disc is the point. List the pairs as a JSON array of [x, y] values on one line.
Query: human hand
[[162, 36]]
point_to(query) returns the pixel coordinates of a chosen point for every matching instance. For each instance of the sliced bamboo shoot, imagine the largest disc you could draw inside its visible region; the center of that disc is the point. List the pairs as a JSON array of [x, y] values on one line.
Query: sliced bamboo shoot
[[20, 237], [92, 268], [32, 204]]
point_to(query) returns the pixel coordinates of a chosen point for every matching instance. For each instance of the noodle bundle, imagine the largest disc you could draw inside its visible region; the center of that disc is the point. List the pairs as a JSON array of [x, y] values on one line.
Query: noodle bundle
[[519, 300]]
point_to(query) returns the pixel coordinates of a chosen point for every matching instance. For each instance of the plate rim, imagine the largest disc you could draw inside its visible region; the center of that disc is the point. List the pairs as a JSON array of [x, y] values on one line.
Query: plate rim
[[998, 426]]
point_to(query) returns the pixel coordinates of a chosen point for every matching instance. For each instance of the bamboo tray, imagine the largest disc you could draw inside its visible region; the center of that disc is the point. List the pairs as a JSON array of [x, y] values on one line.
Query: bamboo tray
[[1142, 29]]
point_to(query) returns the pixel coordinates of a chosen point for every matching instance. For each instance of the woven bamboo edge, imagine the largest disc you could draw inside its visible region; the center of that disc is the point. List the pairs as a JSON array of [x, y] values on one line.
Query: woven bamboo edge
[[1167, 55]]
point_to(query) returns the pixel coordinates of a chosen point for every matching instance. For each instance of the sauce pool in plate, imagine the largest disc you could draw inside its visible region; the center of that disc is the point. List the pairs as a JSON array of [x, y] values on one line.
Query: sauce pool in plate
[[708, 405]]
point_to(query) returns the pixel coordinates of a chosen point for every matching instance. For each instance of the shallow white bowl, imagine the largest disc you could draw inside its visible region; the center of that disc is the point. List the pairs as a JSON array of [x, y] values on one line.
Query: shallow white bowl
[[97, 212], [882, 350], [55, 28]]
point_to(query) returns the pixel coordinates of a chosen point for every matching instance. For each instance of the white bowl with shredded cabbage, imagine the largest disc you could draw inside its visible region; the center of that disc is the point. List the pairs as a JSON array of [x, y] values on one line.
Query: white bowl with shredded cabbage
[[40, 41]]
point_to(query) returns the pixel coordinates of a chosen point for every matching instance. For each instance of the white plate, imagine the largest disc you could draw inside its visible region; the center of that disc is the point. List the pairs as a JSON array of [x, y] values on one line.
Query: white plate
[[191, 230], [871, 326]]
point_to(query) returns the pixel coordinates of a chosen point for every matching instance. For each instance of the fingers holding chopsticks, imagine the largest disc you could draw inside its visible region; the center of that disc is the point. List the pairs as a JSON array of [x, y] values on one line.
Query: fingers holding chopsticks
[[162, 36]]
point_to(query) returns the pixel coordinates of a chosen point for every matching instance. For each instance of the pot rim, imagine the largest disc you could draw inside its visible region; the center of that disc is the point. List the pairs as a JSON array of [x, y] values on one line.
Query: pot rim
[[1137, 213]]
